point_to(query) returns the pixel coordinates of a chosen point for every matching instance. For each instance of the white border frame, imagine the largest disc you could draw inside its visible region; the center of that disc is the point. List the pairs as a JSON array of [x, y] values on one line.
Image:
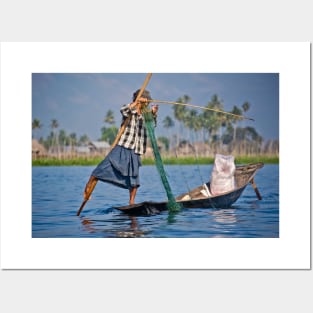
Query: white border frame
[[290, 251]]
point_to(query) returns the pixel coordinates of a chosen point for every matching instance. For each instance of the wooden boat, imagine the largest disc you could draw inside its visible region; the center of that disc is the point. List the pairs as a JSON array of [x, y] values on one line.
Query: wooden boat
[[198, 197]]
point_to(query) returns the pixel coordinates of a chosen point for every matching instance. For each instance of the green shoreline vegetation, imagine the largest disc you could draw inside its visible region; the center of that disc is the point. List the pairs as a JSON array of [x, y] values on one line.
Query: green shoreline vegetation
[[150, 161]]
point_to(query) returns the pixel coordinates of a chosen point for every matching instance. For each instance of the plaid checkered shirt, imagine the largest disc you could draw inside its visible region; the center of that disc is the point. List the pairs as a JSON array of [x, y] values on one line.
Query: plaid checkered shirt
[[135, 135]]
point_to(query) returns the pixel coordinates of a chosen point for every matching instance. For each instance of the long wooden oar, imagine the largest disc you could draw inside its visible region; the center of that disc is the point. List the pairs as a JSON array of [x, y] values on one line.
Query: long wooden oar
[[93, 180], [201, 107]]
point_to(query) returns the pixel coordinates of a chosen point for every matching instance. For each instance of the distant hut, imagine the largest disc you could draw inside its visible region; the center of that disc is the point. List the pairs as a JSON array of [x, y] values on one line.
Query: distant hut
[[149, 149], [38, 150], [201, 149], [186, 148], [99, 147], [82, 150]]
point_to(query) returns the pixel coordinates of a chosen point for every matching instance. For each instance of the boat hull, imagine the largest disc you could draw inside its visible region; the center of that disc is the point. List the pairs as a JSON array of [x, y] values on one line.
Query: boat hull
[[151, 208], [244, 175]]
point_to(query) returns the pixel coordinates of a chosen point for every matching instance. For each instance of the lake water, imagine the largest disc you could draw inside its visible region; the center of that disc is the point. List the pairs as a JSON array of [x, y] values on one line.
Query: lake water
[[57, 195]]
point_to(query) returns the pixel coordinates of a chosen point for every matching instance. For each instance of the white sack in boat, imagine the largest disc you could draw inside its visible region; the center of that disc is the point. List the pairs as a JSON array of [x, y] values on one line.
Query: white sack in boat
[[222, 177]]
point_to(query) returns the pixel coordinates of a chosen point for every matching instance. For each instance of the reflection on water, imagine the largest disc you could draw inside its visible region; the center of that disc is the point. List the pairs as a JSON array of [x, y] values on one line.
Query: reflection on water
[[57, 194], [224, 216], [88, 225], [132, 231]]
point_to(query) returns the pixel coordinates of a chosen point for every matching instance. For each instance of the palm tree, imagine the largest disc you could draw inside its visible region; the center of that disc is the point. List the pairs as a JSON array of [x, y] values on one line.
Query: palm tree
[[190, 120], [63, 139], [109, 118], [84, 139], [168, 123], [245, 107], [236, 111], [73, 140], [109, 133], [36, 124], [54, 125], [180, 113], [255, 138], [212, 121]]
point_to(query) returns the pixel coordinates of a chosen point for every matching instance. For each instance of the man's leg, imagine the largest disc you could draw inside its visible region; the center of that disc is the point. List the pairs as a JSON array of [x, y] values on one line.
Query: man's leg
[[132, 195]]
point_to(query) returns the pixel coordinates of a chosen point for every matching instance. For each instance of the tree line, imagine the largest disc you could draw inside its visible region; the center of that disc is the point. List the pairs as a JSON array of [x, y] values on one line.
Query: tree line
[[222, 133], [58, 138]]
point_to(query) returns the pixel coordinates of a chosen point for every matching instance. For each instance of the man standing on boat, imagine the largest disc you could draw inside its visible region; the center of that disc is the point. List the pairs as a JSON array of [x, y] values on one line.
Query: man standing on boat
[[121, 166]]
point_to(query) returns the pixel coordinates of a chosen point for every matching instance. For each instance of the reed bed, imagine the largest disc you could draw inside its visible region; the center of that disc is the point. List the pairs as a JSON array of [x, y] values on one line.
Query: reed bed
[[167, 160]]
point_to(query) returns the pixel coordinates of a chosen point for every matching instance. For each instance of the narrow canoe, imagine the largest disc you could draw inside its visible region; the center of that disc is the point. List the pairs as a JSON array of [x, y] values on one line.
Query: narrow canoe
[[198, 198]]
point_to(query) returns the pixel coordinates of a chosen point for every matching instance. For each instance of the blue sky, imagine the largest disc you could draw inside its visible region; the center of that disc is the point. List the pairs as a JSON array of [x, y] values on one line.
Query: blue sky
[[79, 102]]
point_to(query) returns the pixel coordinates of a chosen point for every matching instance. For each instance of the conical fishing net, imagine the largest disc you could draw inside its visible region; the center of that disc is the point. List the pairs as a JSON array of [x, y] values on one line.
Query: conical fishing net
[[172, 205]]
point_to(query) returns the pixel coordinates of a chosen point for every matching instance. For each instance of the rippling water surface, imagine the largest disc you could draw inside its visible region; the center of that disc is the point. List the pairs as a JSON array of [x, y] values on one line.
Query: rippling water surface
[[57, 195]]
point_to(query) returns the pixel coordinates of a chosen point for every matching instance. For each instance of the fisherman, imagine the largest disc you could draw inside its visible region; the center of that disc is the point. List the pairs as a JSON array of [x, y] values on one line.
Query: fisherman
[[121, 166]]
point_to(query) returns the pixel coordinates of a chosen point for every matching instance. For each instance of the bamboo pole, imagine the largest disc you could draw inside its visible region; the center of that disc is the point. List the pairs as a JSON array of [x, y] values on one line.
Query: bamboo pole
[[201, 107]]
